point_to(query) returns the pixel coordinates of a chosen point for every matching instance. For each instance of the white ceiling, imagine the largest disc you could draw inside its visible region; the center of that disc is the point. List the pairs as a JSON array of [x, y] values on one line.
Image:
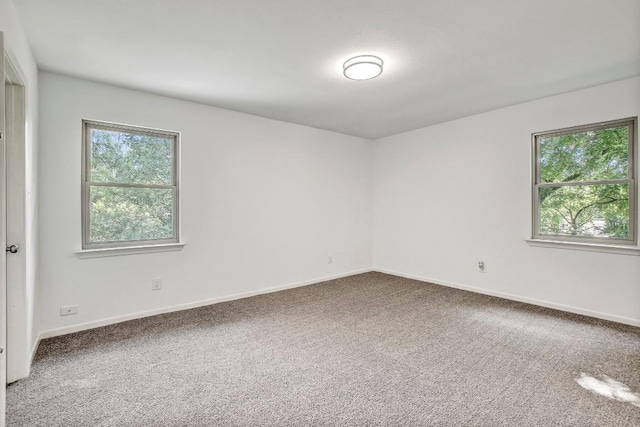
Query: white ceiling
[[282, 59]]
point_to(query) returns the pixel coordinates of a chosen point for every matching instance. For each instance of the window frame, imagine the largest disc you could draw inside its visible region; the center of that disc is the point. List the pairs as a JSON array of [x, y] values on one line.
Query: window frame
[[128, 246], [632, 173]]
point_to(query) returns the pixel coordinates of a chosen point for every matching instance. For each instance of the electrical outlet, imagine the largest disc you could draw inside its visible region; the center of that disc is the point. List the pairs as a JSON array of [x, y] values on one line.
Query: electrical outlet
[[68, 310], [330, 259], [156, 284], [481, 266]]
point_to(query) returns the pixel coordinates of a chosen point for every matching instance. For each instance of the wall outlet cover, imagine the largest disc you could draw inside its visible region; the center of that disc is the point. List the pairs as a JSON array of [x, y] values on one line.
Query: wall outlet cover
[[68, 310]]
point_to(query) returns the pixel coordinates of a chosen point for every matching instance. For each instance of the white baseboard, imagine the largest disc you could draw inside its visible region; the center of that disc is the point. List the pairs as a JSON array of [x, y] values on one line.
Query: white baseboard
[[104, 322], [542, 303]]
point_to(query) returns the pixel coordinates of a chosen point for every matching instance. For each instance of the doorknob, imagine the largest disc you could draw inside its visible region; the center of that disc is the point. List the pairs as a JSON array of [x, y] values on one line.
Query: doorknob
[[13, 249]]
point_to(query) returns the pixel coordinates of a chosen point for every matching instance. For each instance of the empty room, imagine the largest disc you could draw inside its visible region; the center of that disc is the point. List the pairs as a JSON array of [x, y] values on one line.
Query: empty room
[[320, 213]]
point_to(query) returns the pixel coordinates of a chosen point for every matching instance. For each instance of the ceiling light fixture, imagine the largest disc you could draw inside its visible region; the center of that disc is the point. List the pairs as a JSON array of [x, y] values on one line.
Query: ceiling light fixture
[[363, 67]]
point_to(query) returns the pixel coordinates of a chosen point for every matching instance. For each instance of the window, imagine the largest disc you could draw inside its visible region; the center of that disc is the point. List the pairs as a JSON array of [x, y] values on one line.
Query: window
[[584, 184], [129, 186]]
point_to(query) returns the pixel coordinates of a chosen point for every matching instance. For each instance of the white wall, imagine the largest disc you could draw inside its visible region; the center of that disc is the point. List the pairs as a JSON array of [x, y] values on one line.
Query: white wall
[[265, 201], [263, 204], [21, 57], [448, 195]]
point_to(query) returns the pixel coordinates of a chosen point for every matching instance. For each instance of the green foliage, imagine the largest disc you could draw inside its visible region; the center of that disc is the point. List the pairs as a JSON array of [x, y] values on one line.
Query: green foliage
[[130, 213], [130, 158], [592, 210], [585, 210], [119, 214]]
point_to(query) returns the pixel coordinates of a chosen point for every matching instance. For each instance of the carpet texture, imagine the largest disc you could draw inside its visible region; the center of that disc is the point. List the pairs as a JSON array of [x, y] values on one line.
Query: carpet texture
[[370, 349]]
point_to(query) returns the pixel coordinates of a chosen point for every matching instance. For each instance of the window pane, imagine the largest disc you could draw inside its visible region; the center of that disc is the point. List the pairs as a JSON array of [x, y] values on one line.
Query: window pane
[[585, 156], [130, 214], [131, 158], [585, 210]]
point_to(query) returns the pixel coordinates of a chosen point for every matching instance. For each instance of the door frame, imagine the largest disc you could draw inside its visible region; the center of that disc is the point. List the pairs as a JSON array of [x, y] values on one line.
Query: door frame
[[3, 241], [18, 351]]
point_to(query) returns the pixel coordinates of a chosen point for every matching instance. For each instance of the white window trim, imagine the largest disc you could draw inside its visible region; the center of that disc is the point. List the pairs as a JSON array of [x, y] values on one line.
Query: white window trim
[[130, 250], [627, 247], [591, 247], [92, 250]]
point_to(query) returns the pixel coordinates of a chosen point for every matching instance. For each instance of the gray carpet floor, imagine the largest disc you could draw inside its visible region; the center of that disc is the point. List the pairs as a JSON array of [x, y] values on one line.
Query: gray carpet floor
[[371, 349]]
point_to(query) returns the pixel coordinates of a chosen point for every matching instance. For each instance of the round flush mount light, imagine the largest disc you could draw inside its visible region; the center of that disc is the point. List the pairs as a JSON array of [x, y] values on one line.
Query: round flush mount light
[[363, 67]]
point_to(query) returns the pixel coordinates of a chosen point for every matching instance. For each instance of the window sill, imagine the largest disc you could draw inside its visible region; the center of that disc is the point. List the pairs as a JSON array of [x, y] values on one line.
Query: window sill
[[593, 247], [129, 250]]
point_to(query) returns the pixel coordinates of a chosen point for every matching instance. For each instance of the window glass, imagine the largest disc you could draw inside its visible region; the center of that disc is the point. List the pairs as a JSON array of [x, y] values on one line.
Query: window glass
[[130, 158], [585, 210], [585, 156], [120, 213]]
